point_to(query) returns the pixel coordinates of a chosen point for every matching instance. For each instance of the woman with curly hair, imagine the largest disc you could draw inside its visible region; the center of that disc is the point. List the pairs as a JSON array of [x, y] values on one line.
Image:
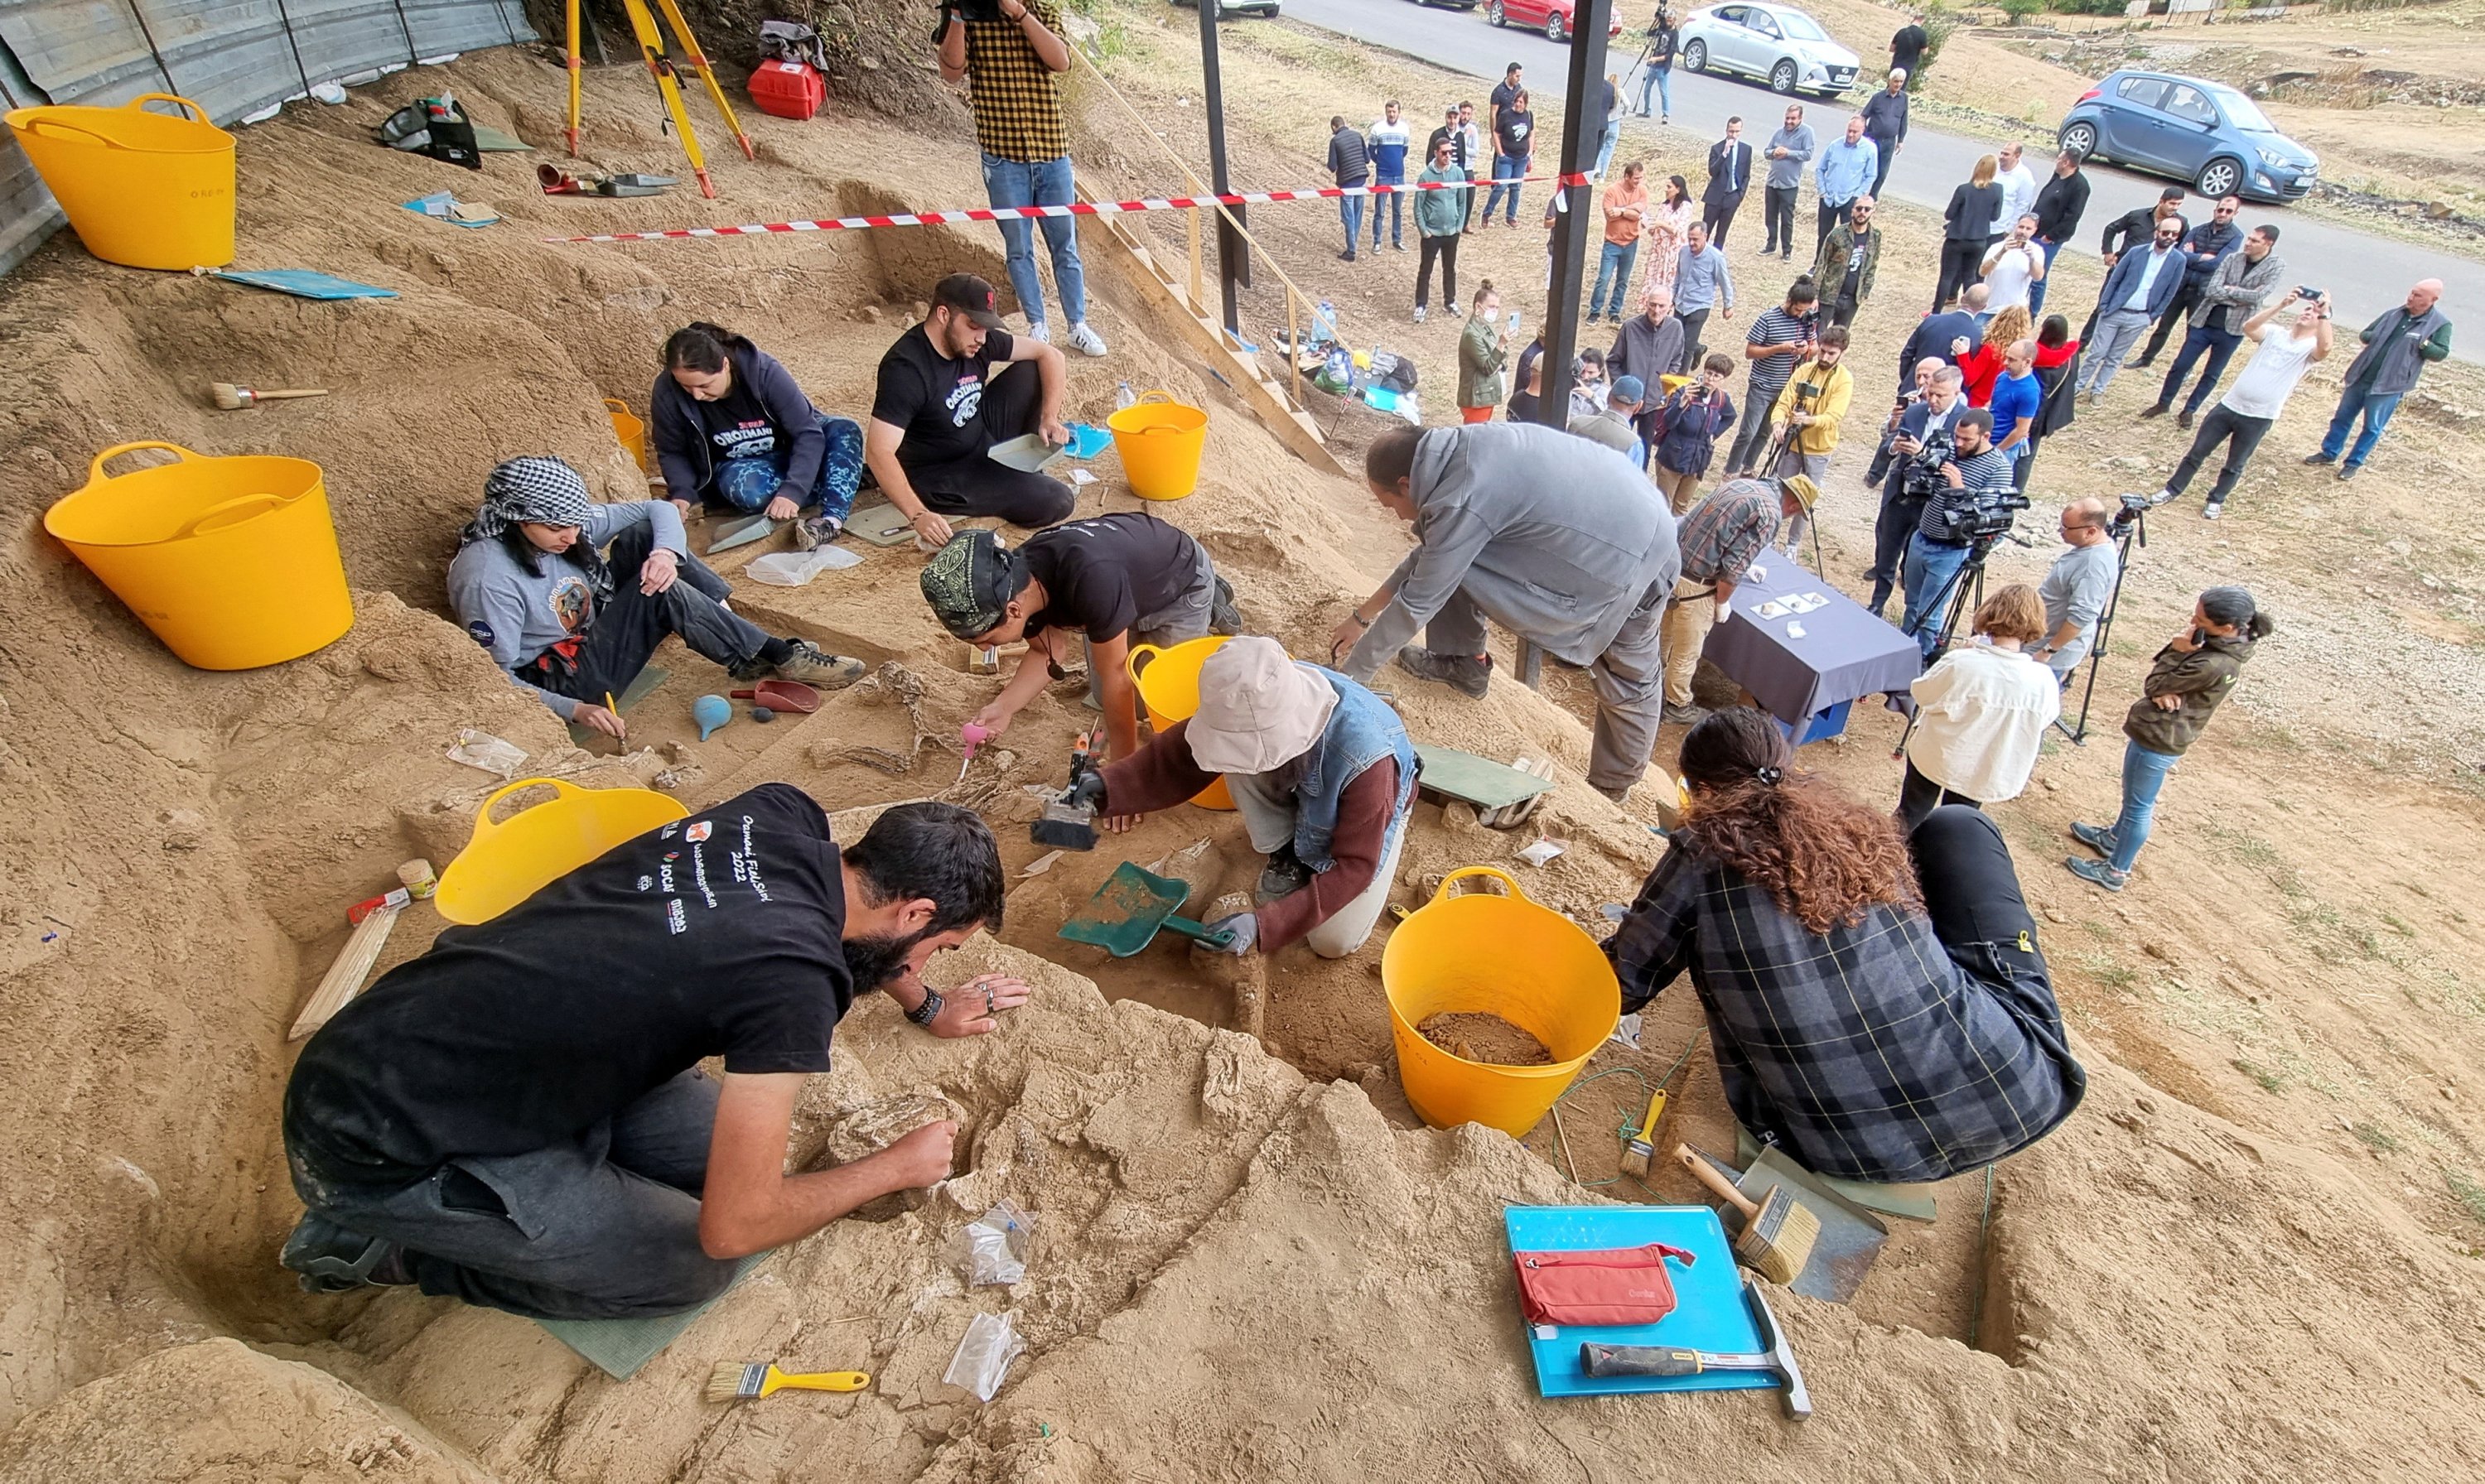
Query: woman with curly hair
[[1877, 1004], [1983, 365]]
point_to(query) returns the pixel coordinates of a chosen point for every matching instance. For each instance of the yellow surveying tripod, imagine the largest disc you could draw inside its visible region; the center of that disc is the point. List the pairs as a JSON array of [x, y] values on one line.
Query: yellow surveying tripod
[[651, 47]]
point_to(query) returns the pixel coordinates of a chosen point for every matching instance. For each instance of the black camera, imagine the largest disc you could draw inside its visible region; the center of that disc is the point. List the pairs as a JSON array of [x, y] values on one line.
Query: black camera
[[1991, 513], [1922, 477], [970, 9], [2307, 294]]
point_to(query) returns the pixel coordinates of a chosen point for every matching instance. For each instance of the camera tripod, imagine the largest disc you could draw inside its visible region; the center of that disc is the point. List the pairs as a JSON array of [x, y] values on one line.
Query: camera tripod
[[1777, 452], [666, 71], [2132, 525], [1958, 601]]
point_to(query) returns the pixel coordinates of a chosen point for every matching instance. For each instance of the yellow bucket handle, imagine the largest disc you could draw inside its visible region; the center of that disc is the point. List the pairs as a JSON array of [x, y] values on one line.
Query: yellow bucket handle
[[485, 825], [1158, 396], [617, 405], [1130, 661], [95, 473], [144, 99], [139, 102], [1508, 884], [230, 513]]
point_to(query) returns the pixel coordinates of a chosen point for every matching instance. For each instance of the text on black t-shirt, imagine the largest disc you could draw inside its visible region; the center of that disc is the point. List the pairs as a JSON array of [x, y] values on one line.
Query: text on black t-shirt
[[937, 400]]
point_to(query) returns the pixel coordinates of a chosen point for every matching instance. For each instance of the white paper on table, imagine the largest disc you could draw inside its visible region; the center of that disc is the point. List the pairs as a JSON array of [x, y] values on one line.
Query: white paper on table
[[1794, 631]]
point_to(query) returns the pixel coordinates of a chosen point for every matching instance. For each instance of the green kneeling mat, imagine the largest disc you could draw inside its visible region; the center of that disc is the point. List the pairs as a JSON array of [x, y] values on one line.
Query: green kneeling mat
[[641, 684], [619, 1347]]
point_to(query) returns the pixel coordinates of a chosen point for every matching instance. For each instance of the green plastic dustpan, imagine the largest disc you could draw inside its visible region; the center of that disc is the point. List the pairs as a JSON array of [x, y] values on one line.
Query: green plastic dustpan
[[1127, 911]]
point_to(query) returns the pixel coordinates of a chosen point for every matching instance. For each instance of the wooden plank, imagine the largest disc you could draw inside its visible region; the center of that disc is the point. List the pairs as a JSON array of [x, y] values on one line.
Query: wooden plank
[[345, 977]]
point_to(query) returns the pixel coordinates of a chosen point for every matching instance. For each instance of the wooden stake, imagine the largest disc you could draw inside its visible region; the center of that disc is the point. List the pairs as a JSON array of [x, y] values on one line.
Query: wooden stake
[[345, 976]]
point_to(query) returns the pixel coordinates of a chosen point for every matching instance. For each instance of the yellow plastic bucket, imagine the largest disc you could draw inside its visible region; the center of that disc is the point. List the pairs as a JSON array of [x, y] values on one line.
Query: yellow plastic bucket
[[508, 860], [1168, 684], [627, 427], [1502, 956], [1161, 441], [232, 561], [144, 189]]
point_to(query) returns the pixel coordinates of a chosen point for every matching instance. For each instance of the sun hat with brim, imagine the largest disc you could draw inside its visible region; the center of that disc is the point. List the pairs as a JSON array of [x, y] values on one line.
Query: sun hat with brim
[[1257, 709], [969, 582], [1801, 487]]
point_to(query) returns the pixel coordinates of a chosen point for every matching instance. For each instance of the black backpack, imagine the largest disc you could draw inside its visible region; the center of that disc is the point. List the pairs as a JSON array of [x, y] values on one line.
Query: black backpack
[[436, 127]]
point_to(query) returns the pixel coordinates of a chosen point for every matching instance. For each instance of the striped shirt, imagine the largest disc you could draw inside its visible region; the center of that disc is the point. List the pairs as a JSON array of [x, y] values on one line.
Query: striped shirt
[[1016, 100], [1771, 373], [1723, 532]]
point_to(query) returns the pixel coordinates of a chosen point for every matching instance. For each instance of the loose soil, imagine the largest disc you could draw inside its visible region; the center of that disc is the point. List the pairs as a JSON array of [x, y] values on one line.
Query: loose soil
[[1487, 1038], [2253, 1253]]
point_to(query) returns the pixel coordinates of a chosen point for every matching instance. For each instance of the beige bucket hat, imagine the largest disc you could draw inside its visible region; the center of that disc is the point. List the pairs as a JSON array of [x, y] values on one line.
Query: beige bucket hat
[[1257, 708]]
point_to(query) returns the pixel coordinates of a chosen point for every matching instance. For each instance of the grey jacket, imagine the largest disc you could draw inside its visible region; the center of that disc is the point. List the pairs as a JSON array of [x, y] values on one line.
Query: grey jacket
[[2392, 362], [1798, 143], [517, 615], [1646, 351], [1556, 539], [2242, 285]]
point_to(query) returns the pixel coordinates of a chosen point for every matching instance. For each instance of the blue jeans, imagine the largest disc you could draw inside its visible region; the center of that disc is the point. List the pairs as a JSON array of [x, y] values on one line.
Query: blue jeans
[[1606, 148], [1504, 167], [2218, 345], [1927, 571], [1349, 210], [2143, 775], [1615, 266], [1397, 212], [2376, 407], [2036, 291], [1043, 183], [747, 484], [1660, 79]]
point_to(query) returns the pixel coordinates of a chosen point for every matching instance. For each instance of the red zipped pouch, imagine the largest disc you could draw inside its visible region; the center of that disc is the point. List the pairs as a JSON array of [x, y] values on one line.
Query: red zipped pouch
[[1612, 1286]]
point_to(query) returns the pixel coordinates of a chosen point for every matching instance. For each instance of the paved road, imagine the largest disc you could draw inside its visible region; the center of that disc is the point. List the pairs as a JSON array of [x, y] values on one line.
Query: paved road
[[2364, 274]]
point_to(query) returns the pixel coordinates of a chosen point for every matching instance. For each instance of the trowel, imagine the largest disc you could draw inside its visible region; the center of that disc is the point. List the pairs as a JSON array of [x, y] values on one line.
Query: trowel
[[741, 532]]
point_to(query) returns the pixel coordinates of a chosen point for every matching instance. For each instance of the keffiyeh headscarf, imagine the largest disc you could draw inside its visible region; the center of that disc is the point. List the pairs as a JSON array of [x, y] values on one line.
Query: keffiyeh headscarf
[[970, 582], [547, 492]]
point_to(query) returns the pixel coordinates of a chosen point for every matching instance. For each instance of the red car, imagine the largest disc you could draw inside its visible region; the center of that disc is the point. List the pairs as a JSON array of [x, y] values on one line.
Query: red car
[[1552, 16]]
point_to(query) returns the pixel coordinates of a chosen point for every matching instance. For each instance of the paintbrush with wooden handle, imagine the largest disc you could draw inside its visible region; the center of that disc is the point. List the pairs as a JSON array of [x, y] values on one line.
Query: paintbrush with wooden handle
[[232, 398]]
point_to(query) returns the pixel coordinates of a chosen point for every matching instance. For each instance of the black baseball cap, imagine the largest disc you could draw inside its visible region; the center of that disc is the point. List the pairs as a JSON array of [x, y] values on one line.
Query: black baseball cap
[[969, 296]]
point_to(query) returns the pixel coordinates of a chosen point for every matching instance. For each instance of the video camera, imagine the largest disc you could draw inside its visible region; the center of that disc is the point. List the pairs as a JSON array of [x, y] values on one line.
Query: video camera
[[968, 10], [1921, 478], [1989, 515]]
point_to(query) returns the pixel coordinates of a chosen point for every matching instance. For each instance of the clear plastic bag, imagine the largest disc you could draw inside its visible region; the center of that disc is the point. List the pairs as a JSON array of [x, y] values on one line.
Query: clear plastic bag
[[793, 569], [996, 1246], [483, 750], [983, 1358]]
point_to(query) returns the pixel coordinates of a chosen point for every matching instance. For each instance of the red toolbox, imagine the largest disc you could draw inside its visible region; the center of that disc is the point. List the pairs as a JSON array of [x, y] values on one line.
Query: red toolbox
[[789, 90]]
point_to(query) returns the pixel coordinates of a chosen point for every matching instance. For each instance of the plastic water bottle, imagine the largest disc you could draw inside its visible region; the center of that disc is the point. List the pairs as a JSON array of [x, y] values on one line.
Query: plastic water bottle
[[1323, 322], [1124, 396]]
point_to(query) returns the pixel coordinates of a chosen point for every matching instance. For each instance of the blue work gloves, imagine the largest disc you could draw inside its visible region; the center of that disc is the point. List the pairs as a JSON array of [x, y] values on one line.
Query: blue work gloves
[[1245, 927]]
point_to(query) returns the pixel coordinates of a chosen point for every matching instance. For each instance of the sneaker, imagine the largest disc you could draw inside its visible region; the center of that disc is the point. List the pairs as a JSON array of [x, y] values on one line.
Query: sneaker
[[2315, 460], [1345, 256], [2153, 410], [2347, 471], [1684, 714], [2213, 509], [1225, 614], [328, 1258], [808, 663], [2183, 419], [2096, 837], [1419, 313], [1455, 312], [814, 531], [1613, 795], [1283, 876], [2140, 364], [1085, 341], [1397, 247], [1466, 674], [2096, 872], [1038, 329], [2160, 498]]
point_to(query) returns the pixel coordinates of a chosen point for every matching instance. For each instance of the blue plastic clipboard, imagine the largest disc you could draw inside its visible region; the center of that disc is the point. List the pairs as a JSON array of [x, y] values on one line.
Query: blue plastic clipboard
[[1710, 1313]]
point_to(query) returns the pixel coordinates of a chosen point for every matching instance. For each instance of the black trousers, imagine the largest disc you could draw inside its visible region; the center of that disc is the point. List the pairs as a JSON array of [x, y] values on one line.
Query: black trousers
[[1962, 267], [1719, 219], [2223, 425], [1972, 895], [1777, 215], [1888, 150], [629, 625], [2187, 298], [1897, 520], [1919, 796], [1691, 323], [1841, 310], [1446, 251], [975, 485], [1826, 216]]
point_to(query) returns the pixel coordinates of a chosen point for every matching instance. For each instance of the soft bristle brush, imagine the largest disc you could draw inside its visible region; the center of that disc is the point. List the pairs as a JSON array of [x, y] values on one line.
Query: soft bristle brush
[[733, 1380]]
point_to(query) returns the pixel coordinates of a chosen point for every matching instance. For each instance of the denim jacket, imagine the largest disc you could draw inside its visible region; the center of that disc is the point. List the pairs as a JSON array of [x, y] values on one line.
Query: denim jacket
[[1361, 731]]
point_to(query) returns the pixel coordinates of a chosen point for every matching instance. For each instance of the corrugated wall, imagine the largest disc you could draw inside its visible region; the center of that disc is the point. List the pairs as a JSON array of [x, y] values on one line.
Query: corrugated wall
[[232, 57]]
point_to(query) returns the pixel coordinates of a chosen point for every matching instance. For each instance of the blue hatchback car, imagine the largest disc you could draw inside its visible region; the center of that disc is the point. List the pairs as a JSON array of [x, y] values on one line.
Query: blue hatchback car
[[2196, 130]]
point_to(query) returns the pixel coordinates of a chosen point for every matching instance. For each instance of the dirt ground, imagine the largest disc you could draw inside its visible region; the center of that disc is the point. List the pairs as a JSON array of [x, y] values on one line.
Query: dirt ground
[[2253, 1253]]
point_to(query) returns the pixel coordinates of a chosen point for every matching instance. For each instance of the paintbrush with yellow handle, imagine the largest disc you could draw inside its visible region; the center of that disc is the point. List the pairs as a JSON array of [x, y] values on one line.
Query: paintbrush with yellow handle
[[1641, 1146], [731, 1381]]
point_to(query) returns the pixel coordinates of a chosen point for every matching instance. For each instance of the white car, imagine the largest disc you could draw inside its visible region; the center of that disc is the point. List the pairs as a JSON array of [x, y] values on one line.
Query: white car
[[1775, 42]]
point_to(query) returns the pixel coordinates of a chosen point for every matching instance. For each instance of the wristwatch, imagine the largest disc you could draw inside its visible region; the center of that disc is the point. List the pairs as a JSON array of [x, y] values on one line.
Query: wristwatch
[[929, 1011]]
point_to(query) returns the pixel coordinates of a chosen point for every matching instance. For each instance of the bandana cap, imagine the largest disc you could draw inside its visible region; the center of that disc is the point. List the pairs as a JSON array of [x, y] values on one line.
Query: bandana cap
[[970, 582], [542, 490]]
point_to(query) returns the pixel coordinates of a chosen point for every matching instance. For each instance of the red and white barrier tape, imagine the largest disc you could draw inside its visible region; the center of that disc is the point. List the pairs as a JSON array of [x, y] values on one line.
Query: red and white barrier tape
[[1076, 209]]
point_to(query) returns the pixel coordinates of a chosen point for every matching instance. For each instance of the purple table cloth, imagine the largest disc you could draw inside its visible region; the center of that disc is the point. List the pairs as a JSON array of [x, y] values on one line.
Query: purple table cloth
[[1844, 651]]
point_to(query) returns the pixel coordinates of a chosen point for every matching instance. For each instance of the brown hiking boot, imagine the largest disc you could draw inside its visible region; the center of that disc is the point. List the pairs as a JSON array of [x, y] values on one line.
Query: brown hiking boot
[[1469, 675], [814, 665]]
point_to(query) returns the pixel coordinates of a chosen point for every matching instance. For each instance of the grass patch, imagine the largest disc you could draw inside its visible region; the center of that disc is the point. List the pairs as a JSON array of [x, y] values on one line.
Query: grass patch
[[2247, 848], [2468, 1193], [2390, 920], [2106, 971], [2375, 1139], [2096, 928], [2270, 1082]]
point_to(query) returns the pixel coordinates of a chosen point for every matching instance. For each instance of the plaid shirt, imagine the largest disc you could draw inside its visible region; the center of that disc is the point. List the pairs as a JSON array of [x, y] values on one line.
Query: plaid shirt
[[1723, 532], [1871, 1053], [1017, 98]]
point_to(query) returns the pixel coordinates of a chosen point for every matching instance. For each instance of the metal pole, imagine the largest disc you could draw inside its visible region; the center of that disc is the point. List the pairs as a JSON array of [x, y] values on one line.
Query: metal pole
[[1233, 253], [1583, 125]]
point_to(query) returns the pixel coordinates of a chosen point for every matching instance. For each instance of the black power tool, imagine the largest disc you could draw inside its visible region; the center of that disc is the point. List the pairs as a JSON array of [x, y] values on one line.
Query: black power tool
[[1068, 822]]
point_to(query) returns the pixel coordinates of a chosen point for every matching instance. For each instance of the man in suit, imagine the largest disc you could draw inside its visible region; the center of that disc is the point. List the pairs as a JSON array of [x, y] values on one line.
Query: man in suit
[[2137, 290], [1948, 336], [2204, 248], [1730, 176], [1920, 423]]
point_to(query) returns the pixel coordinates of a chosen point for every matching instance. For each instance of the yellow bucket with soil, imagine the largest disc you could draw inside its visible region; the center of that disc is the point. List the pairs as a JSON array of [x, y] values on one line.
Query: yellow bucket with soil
[[506, 861], [1503, 955], [1168, 685], [232, 561], [143, 189], [1160, 442]]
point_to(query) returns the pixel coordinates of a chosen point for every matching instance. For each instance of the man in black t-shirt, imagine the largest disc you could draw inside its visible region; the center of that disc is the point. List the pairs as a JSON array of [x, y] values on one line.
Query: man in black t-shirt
[[1907, 47], [1111, 581], [517, 1118], [939, 408]]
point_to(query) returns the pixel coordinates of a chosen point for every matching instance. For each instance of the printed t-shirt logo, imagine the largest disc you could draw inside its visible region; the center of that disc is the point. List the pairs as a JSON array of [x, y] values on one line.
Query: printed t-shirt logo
[[570, 604], [483, 633], [966, 399], [698, 832]]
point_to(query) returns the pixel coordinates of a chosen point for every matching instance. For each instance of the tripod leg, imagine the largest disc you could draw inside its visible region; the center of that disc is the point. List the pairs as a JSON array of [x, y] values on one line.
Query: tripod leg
[[576, 66], [672, 12], [651, 47]]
